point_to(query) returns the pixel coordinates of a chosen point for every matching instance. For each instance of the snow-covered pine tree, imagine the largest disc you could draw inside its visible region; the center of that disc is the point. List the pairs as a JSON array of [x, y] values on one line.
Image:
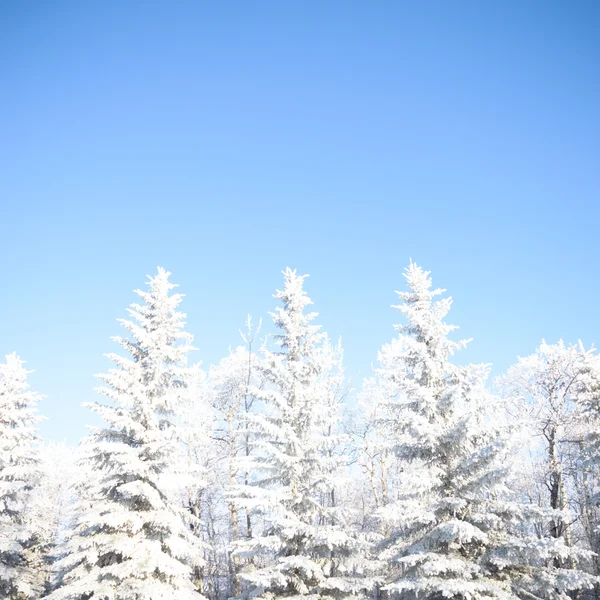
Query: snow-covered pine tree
[[19, 476], [132, 539], [455, 532], [303, 549]]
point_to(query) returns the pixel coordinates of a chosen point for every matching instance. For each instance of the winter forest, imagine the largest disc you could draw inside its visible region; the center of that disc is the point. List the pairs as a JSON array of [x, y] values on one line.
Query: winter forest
[[268, 476]]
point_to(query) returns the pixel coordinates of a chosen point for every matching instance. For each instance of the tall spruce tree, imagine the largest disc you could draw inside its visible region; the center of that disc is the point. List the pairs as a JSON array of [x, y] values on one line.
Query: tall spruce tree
[[19, 476], [454, 530], [303, 549], [132, 539]]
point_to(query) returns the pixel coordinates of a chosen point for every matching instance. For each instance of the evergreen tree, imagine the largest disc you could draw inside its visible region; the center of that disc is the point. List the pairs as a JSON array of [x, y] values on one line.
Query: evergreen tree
[[303, 549], [454, 529], [132, 539], [19, 476]]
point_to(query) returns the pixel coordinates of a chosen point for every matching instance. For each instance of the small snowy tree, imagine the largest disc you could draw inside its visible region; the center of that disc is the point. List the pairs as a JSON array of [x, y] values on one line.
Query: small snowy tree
[[132, 539], [19, 476], [50, 507], [230, 383], [203, 494], [373, 447], [455, 531], [303, 549]]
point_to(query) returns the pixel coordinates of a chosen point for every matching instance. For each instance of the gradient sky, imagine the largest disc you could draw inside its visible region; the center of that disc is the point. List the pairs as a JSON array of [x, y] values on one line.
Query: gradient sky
[[228, 140]]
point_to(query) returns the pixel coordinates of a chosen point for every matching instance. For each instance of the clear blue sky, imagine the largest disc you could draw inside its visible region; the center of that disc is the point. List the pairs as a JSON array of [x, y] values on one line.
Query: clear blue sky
[[227, 140]]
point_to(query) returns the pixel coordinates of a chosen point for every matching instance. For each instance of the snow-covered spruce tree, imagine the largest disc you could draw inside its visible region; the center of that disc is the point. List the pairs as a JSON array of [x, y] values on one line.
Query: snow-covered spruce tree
[[132, 539], [454, 531], [300, 546], [19, 476]]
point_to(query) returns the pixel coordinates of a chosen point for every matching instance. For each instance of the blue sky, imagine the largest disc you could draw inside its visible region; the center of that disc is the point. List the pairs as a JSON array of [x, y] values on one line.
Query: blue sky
[[228, 140]]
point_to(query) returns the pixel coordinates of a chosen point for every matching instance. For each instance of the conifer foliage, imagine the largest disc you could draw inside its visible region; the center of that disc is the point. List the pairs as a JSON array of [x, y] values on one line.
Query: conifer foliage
[[454, 529], [19, 476], [242, 482], [131, 541], [303, 549]]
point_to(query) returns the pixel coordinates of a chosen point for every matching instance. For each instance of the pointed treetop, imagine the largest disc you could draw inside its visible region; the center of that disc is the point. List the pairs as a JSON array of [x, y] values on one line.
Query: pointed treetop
[[13, 376], [161, 280], [297, 331], [14, 364], [425, 315], [160, 286], [293, 294], [419, 283]]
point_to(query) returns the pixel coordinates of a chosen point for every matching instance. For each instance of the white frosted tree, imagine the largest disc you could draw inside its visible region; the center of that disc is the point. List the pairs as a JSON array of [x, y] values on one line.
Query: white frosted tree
[[19, 477], [302, 548], [551, 388], [132, 540], [372, 448], [230, 383], [50, 506], [454, 530]]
